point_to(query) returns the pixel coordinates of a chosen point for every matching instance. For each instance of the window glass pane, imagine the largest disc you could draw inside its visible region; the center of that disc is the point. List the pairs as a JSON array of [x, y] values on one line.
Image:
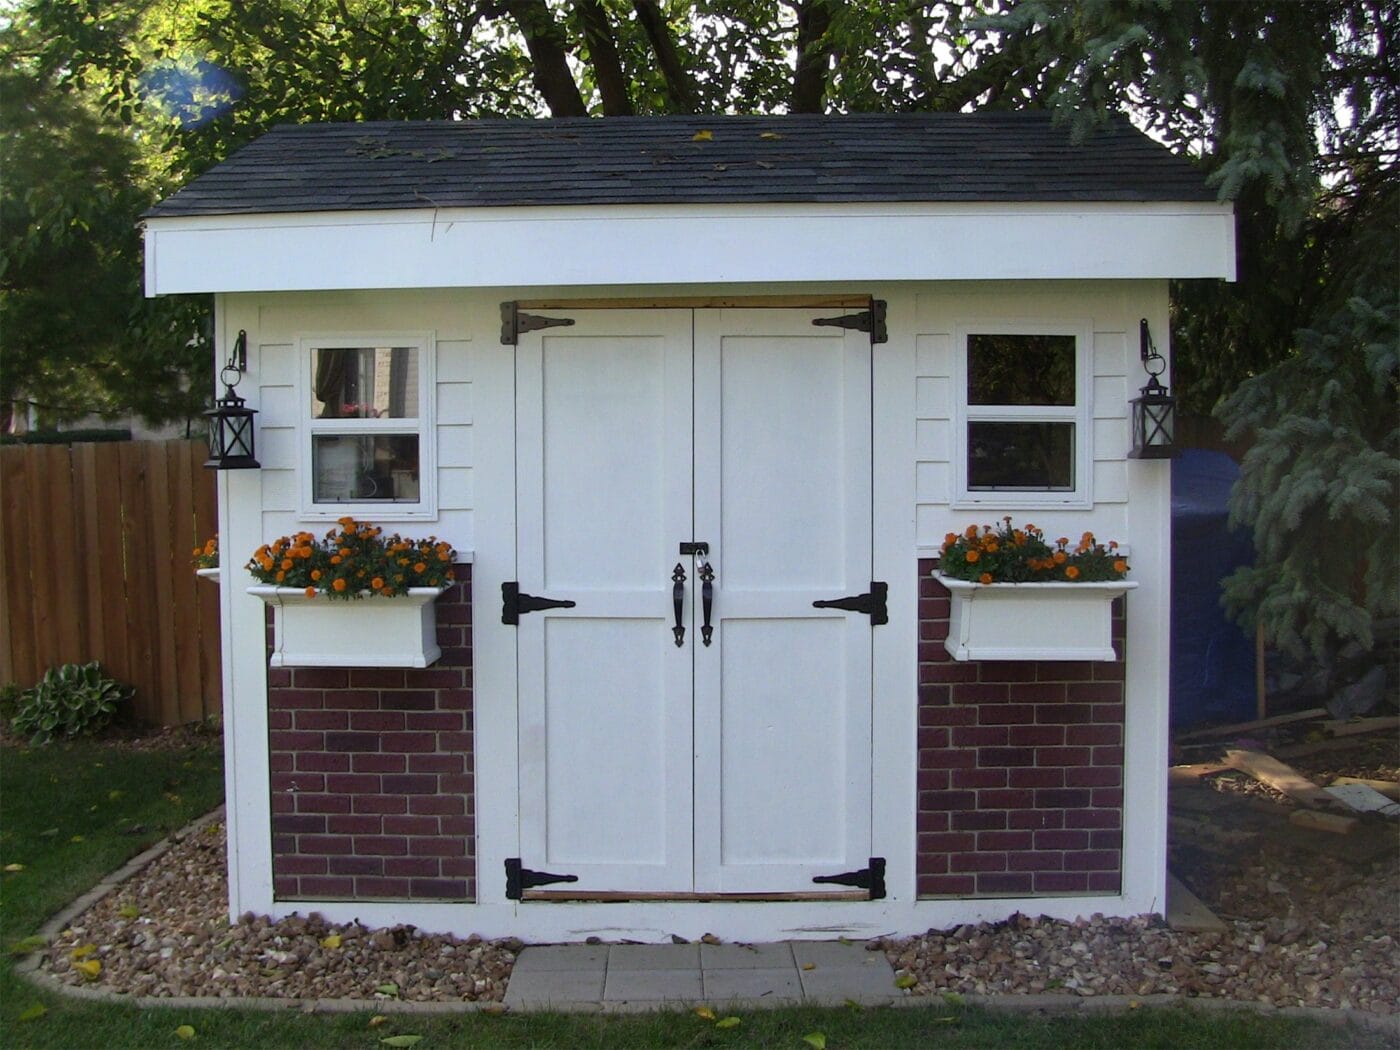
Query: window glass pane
[[1036, 456], [355, 468], [1020, 369], [364, 382]]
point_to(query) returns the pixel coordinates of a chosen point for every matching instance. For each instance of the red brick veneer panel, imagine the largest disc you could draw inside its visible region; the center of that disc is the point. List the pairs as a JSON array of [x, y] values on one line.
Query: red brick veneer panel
[[1020, 768], [372, 773]]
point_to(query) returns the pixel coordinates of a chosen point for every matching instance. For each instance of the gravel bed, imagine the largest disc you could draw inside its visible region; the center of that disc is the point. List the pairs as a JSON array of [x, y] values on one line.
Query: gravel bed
[[1302, 930], [1299, 933], [165, 933]]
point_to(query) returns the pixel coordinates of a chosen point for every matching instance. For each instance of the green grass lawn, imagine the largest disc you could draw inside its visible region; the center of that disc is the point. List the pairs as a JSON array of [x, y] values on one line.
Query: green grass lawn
[[68, 815]]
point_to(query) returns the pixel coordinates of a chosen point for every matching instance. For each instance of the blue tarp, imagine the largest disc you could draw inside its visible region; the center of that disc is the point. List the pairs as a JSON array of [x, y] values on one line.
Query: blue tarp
[[1212, 673]]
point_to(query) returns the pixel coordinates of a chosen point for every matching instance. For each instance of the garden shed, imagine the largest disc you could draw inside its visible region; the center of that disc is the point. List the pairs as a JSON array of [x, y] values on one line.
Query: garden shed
[[695, 401]]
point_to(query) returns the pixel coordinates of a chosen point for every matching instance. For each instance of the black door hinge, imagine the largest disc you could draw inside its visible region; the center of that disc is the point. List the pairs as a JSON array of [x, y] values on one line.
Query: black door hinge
[[872, 321], [874, 604], [514, 603], [514, 323], [871, 878], [520, 878]]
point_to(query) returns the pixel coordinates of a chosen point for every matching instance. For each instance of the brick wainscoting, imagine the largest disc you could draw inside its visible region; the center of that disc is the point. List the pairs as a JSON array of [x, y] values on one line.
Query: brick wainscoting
[[1020, 768], [372, 792]]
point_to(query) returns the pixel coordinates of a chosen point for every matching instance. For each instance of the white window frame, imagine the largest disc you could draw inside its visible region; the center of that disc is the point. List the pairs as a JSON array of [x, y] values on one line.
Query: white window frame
[[1081, 414], [425, 426]]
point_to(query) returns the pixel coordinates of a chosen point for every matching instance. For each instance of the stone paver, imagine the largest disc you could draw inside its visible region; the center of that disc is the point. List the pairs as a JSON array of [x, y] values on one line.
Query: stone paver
[[605, 976]]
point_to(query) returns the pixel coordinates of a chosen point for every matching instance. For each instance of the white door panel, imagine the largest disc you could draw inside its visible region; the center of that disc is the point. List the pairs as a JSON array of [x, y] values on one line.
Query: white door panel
[[782, 697], [603, 471], [738, 767]]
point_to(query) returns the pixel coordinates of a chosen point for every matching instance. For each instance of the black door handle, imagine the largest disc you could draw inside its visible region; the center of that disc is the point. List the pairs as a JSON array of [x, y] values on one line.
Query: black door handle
[[678, 599], [707, 599]]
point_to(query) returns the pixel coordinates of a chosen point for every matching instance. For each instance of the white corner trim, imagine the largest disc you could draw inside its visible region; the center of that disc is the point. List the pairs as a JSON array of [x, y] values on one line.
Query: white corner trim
[[630, 245]]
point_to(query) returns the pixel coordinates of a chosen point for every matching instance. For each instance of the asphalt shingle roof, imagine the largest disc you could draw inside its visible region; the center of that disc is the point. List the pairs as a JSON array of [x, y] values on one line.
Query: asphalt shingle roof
[[981, 157]]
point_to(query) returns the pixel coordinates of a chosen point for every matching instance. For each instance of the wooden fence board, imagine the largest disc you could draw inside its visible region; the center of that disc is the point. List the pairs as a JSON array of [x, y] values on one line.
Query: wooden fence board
[[21, 648], [66, 564], [165, 626], [95, 544], [206, 516], [111, 564]]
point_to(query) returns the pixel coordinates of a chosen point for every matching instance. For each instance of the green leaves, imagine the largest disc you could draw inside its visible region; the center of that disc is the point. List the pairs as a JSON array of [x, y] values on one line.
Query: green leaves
[[72, 700], [401, 1040]]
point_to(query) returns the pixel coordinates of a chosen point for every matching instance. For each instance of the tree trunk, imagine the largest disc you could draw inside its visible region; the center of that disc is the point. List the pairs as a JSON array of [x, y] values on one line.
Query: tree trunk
[[602, 56], [813, 53], [548, 57], [679, 87]]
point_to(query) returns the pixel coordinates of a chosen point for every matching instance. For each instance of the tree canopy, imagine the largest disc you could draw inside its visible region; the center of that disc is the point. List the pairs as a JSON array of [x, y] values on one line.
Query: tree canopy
[[1292, 110]]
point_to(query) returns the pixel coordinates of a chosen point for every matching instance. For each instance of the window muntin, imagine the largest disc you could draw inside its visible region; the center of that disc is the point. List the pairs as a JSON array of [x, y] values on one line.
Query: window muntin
[[1023, 421], [366, 443]]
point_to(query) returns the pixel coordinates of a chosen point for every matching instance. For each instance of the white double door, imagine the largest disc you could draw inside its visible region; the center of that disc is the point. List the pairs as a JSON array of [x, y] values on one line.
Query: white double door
[[651, 767]]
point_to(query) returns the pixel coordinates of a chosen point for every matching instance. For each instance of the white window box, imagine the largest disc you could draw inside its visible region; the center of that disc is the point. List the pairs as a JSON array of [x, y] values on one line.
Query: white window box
[[1032, 621], [209, 574], [362, 632]]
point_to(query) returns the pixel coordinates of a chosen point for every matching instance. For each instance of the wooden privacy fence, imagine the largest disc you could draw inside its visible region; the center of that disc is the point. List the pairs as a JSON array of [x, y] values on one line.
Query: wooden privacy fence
[[96, 542]]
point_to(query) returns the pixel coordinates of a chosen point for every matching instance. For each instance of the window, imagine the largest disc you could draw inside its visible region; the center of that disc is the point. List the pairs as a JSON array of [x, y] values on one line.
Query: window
[[1023, 423], [366, 444]]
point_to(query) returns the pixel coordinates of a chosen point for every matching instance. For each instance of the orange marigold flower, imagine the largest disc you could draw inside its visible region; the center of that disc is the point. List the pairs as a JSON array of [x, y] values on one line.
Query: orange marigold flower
[[335, 559], [281, 576], [315, 574], [972, 557], [347, 520], [992, 546], [444, 555], [1059, 557], [377, 583], [420, 567], [1063, 541], [950, 539], [1071, 572], [286, 563], [986, 577], [1120, 566], [311, 592], [339, 585], [970, 532]]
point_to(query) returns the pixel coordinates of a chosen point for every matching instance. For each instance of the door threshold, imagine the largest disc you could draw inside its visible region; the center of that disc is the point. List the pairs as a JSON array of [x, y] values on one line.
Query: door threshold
[[625, 896]]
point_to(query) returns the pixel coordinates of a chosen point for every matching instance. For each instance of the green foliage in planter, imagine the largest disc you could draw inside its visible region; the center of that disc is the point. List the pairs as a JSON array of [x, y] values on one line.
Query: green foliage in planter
[[72, 700]]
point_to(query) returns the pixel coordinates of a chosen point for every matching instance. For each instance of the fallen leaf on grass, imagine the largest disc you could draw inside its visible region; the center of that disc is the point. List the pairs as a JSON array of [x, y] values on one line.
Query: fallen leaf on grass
[[27, 945], [89, 968], [817, 1040], [48, 833], [185, 1031], [727, 1022], [377, 1020], [704, 1013], [12, 868], [115, 794], [400, 1040], [952, 998], [33, 1013], [77, 838]]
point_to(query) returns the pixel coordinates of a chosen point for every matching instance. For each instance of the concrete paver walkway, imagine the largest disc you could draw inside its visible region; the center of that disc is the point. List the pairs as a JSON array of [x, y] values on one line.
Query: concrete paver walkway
[[641, 976]]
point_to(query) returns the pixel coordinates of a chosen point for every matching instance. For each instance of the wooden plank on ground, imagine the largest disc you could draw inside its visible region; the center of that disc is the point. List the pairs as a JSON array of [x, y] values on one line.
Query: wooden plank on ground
[[1389, 788], [1187, 912], [1191, 775], [1258, 723], [1360, 726], [1281, 777], [1333, 822]]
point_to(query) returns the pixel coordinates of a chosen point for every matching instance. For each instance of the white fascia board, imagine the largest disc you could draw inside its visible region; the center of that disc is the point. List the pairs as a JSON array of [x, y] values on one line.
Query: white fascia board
[[690, 244]]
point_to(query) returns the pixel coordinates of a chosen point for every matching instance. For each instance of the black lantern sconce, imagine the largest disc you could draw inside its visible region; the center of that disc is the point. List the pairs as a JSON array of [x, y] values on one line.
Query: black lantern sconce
[[1154, 412], [230, 422]]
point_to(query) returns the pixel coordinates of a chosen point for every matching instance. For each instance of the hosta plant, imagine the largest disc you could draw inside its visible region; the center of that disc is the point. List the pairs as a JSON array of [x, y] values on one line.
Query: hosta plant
[[1020, 554], [72, 700]]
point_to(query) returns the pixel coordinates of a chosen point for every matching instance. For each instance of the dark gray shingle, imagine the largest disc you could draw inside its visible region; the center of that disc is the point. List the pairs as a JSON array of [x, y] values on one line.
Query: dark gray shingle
[[656, 160]]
